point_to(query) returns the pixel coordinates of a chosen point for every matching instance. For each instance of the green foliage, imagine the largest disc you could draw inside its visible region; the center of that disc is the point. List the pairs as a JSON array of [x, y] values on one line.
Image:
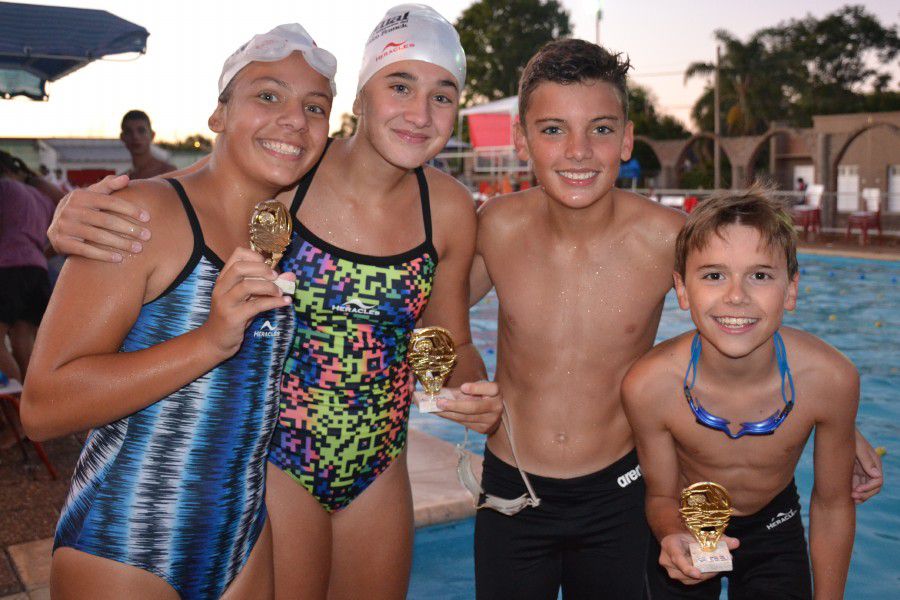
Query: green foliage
[[799, 68], [499, 37], [648, 121], [349, 123]]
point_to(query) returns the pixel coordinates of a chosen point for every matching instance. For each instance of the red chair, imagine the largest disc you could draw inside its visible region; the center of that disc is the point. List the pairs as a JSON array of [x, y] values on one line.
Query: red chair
[[9, 401], [864, 220], [809, 216], [690, 203]]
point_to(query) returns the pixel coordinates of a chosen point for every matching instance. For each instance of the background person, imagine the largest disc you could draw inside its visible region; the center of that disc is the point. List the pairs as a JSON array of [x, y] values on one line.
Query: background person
[[138, 135]]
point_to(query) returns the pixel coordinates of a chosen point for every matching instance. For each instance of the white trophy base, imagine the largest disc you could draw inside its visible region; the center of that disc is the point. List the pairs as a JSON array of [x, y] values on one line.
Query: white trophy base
[[427, 403], [715, 561], [287, 286]]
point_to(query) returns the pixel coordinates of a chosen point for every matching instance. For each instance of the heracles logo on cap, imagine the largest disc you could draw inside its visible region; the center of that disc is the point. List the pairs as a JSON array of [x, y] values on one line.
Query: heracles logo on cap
[[392, 23], [392, 47]]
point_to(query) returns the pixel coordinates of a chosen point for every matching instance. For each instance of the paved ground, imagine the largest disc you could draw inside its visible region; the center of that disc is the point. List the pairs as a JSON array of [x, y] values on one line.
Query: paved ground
[[30, 503], [885, 247]]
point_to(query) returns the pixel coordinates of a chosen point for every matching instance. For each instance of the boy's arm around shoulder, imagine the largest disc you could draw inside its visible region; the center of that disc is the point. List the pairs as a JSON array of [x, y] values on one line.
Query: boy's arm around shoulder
[[78, 379], [832, 510], [491, 217]]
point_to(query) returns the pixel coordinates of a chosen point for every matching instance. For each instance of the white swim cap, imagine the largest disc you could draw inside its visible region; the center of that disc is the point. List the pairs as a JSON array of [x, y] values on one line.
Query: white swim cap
[[278, 44], [413, 32]]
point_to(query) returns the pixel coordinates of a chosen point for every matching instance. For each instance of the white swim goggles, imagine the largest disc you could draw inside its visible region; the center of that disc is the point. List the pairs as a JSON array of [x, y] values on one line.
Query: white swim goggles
[[505, 506]]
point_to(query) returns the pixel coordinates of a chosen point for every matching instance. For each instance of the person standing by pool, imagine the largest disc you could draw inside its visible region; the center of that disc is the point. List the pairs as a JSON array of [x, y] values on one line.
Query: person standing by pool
[[736, 272], [581, 270], [173, 360], [377, 232], [137, 135]]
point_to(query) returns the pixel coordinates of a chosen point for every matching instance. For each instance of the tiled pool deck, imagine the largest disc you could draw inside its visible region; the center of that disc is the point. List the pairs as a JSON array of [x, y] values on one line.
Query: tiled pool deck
[[25, 565]]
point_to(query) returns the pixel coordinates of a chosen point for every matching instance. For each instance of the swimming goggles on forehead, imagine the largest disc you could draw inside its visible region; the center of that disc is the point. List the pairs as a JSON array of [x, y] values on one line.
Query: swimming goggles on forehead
[[764, 427], [506, 506]]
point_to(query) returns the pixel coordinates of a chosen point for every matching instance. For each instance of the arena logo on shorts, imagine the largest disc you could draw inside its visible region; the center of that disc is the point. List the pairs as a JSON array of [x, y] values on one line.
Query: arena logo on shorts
[[388, 25], [358, 307], [781, 518], [629, 477], [266, 330]]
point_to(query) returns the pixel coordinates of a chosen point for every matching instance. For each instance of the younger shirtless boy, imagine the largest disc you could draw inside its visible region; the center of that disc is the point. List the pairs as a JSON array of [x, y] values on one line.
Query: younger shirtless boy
[[581, 270], [735, 401]]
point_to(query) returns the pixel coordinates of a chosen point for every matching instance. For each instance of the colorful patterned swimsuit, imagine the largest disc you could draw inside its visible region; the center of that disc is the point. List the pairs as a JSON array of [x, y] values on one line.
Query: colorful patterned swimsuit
[[177, 488], [345, 390]]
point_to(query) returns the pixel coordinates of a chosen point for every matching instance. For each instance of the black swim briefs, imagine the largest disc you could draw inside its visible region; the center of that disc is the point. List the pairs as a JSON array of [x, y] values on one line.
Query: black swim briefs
[[589, 535], [771, 563]]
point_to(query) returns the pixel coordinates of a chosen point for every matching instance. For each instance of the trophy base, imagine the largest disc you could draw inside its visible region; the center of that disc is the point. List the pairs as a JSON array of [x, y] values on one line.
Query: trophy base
[[716, 561], [287, 286], [427, 403]]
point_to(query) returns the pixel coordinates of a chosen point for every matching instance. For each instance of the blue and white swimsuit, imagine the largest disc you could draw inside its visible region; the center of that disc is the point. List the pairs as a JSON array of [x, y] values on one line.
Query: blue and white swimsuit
[[178, 488]]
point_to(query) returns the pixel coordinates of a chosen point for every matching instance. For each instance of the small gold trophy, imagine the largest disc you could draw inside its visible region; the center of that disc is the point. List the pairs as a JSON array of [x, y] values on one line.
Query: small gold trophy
[[431, 357], [705, 510], [270, 234]]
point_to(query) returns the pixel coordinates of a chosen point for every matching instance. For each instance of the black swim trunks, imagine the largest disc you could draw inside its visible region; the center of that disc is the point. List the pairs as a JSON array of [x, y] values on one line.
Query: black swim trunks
[[24, 293], [589, 535], [771, 563]]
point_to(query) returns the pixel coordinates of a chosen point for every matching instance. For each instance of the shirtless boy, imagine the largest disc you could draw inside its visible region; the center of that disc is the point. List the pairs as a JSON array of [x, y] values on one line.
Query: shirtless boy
[[736, 271], [581, 270], [137, 135]]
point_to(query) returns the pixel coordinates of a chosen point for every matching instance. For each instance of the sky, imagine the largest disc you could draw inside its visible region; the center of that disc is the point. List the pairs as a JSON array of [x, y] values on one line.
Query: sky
[[175, 81]]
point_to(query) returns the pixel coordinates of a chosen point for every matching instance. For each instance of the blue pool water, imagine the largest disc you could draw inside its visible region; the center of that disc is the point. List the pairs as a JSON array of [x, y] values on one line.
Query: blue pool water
[[850, 303]]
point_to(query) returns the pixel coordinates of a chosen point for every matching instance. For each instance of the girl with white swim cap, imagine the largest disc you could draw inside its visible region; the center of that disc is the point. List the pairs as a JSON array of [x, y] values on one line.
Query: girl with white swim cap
[[173, 361], [376, 232]]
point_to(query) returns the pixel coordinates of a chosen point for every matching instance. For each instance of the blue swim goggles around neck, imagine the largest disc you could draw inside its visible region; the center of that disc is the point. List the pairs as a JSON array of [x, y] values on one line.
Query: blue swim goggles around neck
[[764, 427]]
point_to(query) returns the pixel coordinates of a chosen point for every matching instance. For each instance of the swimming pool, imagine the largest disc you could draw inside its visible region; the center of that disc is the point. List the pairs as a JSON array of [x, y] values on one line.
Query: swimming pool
[[850, 303]]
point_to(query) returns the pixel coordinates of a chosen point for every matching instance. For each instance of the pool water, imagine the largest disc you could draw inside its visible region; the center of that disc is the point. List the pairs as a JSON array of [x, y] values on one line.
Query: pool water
[[850, 303]]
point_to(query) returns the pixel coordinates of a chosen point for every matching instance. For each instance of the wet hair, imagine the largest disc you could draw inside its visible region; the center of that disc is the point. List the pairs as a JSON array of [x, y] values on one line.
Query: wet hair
[[755, 207], [573, 61], [136, 115]]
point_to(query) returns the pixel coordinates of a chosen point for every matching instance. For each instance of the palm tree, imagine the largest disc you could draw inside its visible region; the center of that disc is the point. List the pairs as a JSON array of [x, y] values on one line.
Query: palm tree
[[754, 76]]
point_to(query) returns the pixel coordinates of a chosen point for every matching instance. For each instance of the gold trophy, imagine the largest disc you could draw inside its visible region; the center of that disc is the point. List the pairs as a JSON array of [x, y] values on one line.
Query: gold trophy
[[431, 357], [270, 234], [705, 510]]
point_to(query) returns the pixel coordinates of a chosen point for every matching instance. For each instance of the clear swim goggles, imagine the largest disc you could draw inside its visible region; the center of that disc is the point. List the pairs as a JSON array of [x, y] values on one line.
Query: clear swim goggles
[[467, 478]]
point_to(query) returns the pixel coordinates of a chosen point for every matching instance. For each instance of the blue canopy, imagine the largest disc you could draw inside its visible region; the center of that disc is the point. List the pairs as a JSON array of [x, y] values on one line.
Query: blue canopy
[[43, 43], [630, 169]]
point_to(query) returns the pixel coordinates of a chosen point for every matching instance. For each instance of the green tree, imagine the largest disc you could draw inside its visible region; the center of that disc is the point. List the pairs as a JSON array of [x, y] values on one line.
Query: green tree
[[799, 68], [751, 93], [649, 122], [647, 119], [500, 36]]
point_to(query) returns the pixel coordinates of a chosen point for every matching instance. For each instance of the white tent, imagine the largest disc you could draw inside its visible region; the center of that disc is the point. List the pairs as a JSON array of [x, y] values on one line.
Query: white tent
[[508, 106]]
